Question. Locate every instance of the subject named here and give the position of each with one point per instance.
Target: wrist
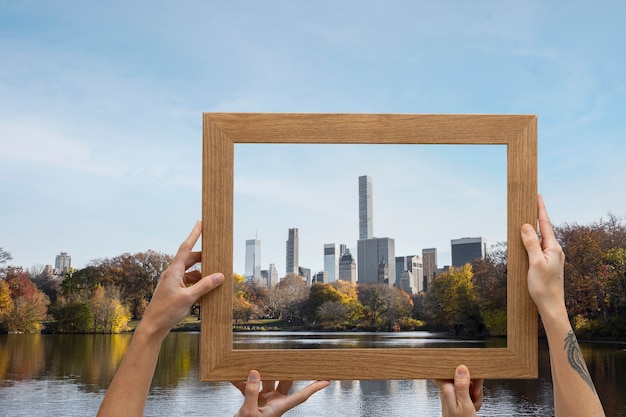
(151, 332)
(556, 315)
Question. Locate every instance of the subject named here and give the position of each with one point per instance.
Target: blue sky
(101, 103)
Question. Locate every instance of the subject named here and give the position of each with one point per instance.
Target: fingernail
(218, 279)
(461, 371)
(527, 229)
(253, 376)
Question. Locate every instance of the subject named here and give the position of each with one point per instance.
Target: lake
(67, 375)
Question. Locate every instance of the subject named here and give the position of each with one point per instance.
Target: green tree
(74, 317)
(451, 301)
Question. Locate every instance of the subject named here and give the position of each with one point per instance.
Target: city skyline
(479, 197)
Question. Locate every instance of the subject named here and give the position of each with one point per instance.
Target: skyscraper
(429, 257)
(376, 259)
(62, 262)
(410, 274)
(331, 261)
(292, 252)
(272, 276)
(253, 259)
(366, 226)
(347, 267)
(467, 249)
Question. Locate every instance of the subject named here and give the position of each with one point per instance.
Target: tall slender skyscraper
(292, 252)
(253, 259)
(429, 255)
(331, 261)
(366, 227)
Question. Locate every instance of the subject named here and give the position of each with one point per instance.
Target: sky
(101, 118)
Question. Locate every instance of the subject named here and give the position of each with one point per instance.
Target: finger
(476, 393)
(251, 394)
(532, 244)
(284, 387)
(268, 386)
(192, 259)
(192, 277)
(545, 226)
(304, 394)
(462, 385)
(447, 396)
(184, 250)
(205, 285)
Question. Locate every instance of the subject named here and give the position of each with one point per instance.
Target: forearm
(128, 391)
(574, 392)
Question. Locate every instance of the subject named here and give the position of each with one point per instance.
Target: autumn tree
(286, 298)
(6, 305)
(451, 302)
(30, 306)
(490, 284)
(109, 315)
(384, 306)
(594, 276)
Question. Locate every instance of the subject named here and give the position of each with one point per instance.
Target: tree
(30, 306)
(109, 315)
(490, 284)
(74, 317)
(4, 258)
(452, 304)
(594, 278)
(374, 300)
(286, 298)
(6, 305)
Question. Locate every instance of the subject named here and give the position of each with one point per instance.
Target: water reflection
(43, 375)
(346, 340)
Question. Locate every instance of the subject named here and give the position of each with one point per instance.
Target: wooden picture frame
(221, 131)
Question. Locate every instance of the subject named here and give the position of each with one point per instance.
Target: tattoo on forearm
(575, 358)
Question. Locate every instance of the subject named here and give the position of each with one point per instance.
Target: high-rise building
(253, 259)
(429, 258)
(376, 260)
(319, 278)
(272, 276)
(410, 274)
(305, 273)
(347, 267)
(62, 263)
(366, 219)
(292, 252)
(331, 261)
(467, 249)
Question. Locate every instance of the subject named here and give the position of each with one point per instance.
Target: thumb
(531, 242)
(206, 284)
(462, 383)
(251, 401)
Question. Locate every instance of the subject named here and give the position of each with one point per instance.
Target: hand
(173, 297)
(461, 397)
(272, 400)
(546, 260)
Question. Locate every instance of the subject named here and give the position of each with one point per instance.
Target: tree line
(470, 300)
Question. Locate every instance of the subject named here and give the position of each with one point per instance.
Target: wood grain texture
(219, 362)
